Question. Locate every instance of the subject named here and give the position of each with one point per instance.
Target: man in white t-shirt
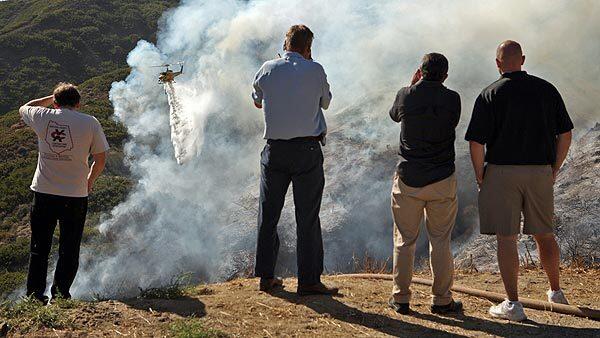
(61, 184)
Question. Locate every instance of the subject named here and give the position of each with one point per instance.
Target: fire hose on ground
(573, 310)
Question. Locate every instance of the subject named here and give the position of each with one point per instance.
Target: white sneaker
(557, 297)
(508, 310)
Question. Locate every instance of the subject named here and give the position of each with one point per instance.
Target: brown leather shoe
(268, 284)
(455, 306)
(316, 289)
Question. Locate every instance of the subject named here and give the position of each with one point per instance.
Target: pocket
(39, 204)
(319, 151)
(264, 155)
(77, 207)
(488, 173)
(453, 185)
(447, 187)
(313, 152)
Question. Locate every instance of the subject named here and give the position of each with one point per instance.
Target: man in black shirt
(521, 128)
(428, 114)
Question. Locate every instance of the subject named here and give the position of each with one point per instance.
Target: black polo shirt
(518, 118)
(428, 114)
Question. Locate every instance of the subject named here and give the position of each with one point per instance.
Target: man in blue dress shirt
(292, 90)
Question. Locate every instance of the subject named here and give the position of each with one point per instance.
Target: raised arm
(397, 107)
(41, 102)
(28, 115)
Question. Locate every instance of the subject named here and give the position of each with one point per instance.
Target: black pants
(301, 163)
(46, 210)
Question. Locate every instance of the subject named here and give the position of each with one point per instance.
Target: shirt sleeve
(99, 142)
(325, 91)
(257, 94)
(398, 106)
(563, 120)
(458, 108)
(30, 115)
(33, 116)
(481, 125)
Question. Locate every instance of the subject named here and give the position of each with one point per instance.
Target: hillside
(43, 42)
(237, 309)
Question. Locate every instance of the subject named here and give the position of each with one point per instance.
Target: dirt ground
(238, 309)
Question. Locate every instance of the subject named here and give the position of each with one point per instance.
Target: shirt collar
(428, 83)
(515, 75)
(288, 55)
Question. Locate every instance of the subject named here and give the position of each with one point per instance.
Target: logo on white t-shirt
(58, 137)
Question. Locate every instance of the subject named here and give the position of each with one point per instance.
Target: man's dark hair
(434, 67)
(298, 38)
(66, 95)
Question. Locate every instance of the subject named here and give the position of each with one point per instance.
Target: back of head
(298, 39)
(434, 67)
(509, 56)
(66, 95)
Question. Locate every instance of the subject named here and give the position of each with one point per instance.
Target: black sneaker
(4, 328)
(454, 306)
(401, 308)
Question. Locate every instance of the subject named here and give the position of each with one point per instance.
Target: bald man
(521, 129)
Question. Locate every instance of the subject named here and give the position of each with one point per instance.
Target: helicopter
(168, 75)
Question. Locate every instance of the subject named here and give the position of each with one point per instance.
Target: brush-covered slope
(43, 42)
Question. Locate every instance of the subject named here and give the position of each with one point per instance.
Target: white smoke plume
(201, 216)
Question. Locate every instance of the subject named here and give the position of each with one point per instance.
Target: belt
(300, 139)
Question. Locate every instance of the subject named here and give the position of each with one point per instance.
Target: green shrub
(52, 41)
(193, 328)
(13, 256)
(29, 314)
(9, 281)
(108, 192)
(89, 233)
(176, 288)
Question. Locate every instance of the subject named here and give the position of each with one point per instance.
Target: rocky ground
(237, 309)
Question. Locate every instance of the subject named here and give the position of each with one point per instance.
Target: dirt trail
(239, 310)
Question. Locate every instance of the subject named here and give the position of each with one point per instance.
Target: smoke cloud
(201, 216)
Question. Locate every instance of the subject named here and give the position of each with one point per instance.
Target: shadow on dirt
(184, 306)
(340, 311)
(495, 328)
(396, 327)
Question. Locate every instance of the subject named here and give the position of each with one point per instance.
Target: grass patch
(193, 328)
(15, 255)
(178, 287)
(9, 281)
(30, 315)
(89, 234)
(203, 291)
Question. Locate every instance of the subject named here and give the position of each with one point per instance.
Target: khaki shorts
(509, 190)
